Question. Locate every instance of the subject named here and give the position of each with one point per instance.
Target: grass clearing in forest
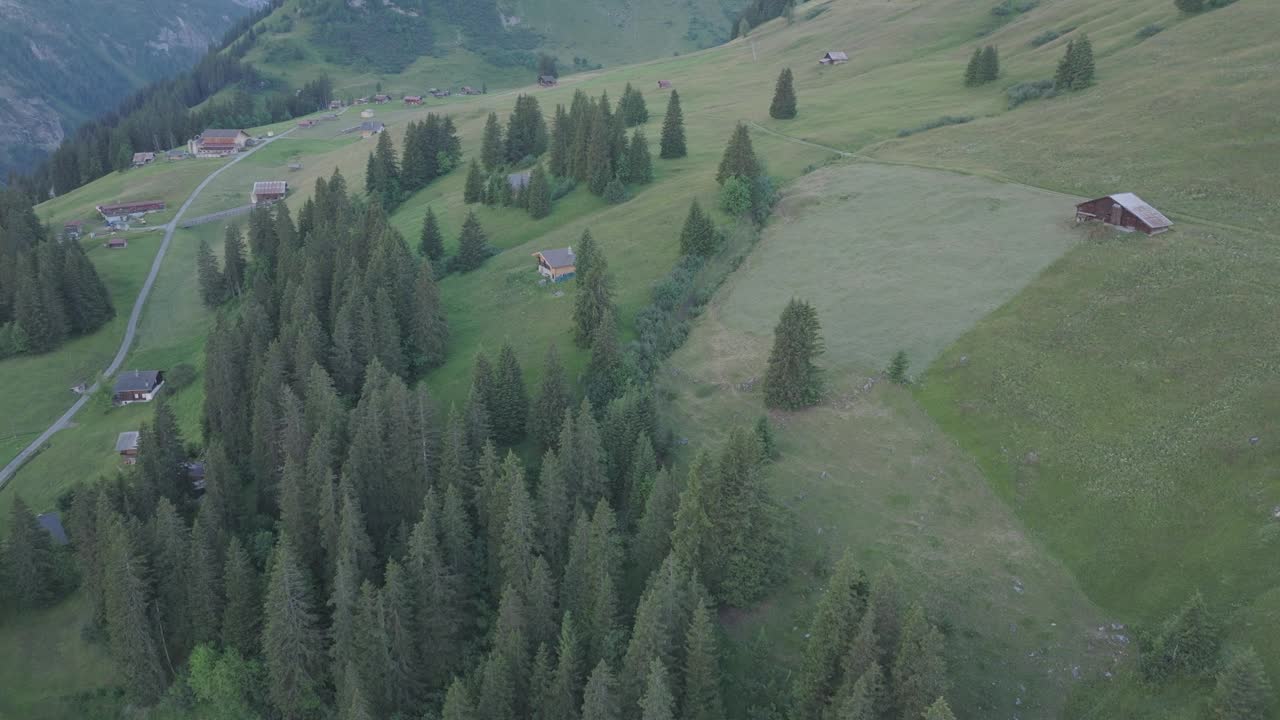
(896, 257)
(48, 670)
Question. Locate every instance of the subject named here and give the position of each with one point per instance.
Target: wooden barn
(547, 80)
(369, 128)
(664, 84)
(1124, 211)
(218, 143)
(306, 123)
(412, 99)
(335, 104)
(117, 212)
(116, 243)
(268, 191)
(127, 447)
(133, 386)
(557, 264)
(380, 98)
(468, 90)
(835, 57)
(143, 158)
(73, 230)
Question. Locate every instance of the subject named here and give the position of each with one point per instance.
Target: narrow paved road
(132, 328)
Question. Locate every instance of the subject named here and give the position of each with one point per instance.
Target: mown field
(1078, 452)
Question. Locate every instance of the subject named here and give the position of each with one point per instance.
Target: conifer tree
(783, 106)
(989, 67)
(660, 628)
(428, 327)
(29, 568)
(939, 710)
(402, 674)
(919, 671)
(233, 261)
(519, 533)
(1187, 643)
(473, 246)
(657, 702)
(1082, 67)
(473, 190)
(526, 130)
(566, 684)
(841, 605)
(540, 602)
(866, 699)
(204, 595)
(692, 537)
(606, 372)
(702, 696)
(547, 414)
(656, 523)
(431, 244)
(886, 605)
(599, 699)
(537, 195)
(292, 642)
(242, 616)
(673, 141)
(739, 158)
(169, 541)
(382, 179)
(973, 71)
(554, 510)
(1189, 6)
(583, 457)
(1066, 73)
(492, 151)
(457, 703)
(615, 192)
(599, 153)
(1242, 691)
(639, 164)
(509, 402)
(698, 237)
(594, 298)
(632, 108)
(212, 287)
(138, 653)
(897, 371)
(792, 381)
(561, 159)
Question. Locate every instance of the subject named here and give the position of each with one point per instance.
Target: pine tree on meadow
(474, 190)
(431, 243)
(973, 71)
(561, 143)
(233, 262)
(594, 296)
(699, 236)
(632, 107)
(212, 286)
(919, 670)
(639, 165)
(473, 246)
(792, 381)
(138, 653)
(783, 106)
(547, 413)
(492, 151)
(509, 408)
(29, 568)
(673, 140)
(599, 154)
(1064, 74)
(1242, 691)
(739, 158)
(841, 604)
(989, 67)
(537, 194)
(1082, 66)
(615, 192)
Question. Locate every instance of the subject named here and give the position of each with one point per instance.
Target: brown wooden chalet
(335, 104)
(114, 212)
(73, 229)
(268, 191)
(218, 143)
(116, 243)
(412, 99)
(835, 57)
(127, 447)
(547, 80)
(557, 264)
(380, 98)
(468, 90)
(143, 158)
(1124, 211)
(133, 386)
(306, 123)
(664, 84)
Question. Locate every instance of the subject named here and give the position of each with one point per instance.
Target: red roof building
(412, 99)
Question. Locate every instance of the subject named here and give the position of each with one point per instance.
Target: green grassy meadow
(48, 670)
(1079, 448)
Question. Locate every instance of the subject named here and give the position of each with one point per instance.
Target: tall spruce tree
(561, 143)
(1242, 691)
(547, 414)
(739, 158)
(989, 67)
(657, 702)
(29, 567)
(526, 130)
(473, 189)
(702, 695)
(537, 194)
(632, 108)
(599, 153)
(973, 71)
(639, 165)
(492, 152)
(473, 246)
(673, 140)
(606, 374)
(242, 616)
(698, 237)
(599, 698)
(428, 334)
(792, 381)
(212, 286)
(233, 261)
(292, 642)
(594, 297)
(939, 710)
(1082, 67)
(1066, 72)
(783, 106)
(431, 244)
(919, 671)
(838, 611)
(509, 407)
(138, 653)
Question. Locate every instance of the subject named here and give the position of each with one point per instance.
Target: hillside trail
(132, 328)
(862, 156)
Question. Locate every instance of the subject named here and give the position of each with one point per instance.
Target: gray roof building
(137, 381)
(520, 180)
(53, 525)
(127, 441)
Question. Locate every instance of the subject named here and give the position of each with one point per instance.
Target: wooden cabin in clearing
(268, 191)
(143, 158)
(335, 104)
(116, 243)
(127, 447)
(369, 128)
(133, 386)
(73, 230)
(547, 80)
(835, 57)
(381, 98)
(557, 264)
(664, 84)
(412, 99)
(468, 90)
(1124, 211)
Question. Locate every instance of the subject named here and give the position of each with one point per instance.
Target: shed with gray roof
(1124, 211)
(557, 264)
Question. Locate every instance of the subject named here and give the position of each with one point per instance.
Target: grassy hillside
(1108, 402)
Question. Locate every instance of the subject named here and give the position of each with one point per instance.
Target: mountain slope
(65, 61)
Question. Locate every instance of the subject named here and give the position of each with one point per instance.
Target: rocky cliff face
(64, 61)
